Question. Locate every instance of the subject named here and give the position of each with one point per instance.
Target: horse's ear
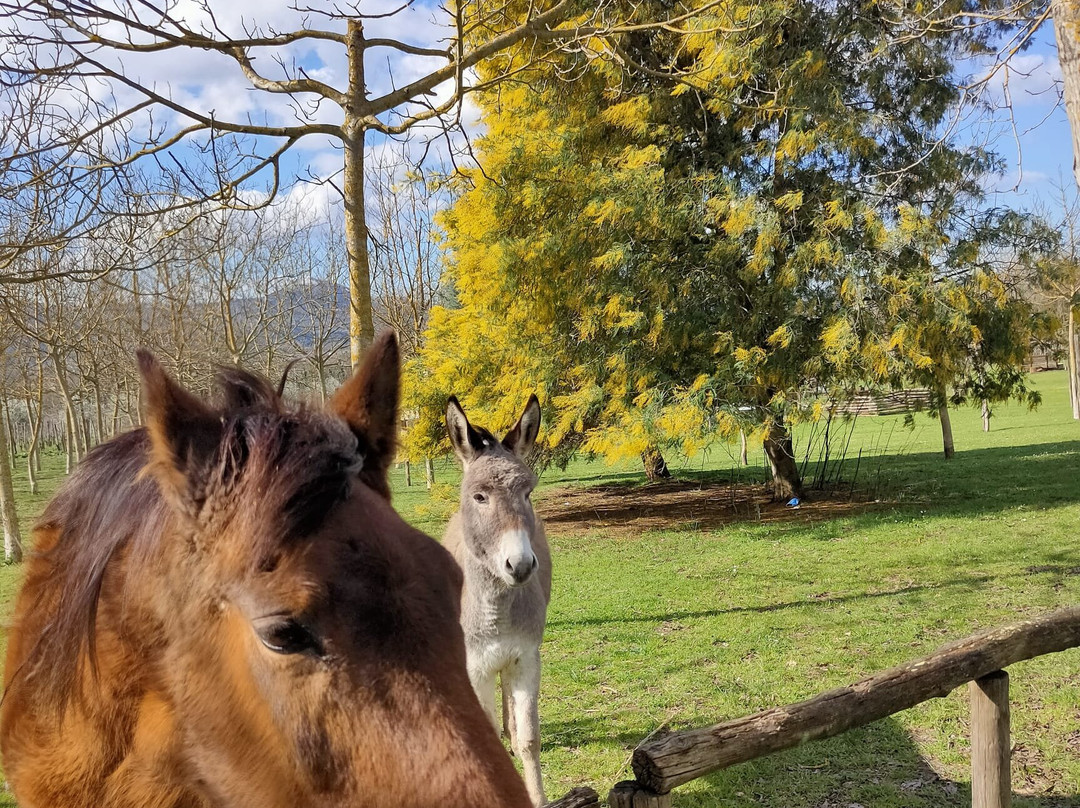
(521, 439)
(467, 442)
(368, 403)
(184, 435)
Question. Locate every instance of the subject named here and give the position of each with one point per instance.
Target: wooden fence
(663, 763)
(897, 402)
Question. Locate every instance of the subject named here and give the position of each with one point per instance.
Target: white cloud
(1025, 80)
(210, 83)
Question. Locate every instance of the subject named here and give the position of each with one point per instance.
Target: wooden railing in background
(666, 762)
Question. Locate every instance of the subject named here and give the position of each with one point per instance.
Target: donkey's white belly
(493, 642)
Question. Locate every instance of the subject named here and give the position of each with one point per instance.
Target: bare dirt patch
(683, 504)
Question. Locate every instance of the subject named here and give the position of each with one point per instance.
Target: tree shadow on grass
(975, 482)
(966, 582)
(1067, 567)
(877, 766)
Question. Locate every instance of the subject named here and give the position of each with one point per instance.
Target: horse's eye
(481, 498)
(286, 636)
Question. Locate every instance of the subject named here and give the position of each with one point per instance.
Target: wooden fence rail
(662, 763)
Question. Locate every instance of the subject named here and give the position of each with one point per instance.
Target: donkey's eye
(287, 636)
(481, 498)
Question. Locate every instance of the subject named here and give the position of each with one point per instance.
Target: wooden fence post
(991, 785)
(630, 794)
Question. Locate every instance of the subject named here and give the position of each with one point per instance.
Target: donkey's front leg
(508, 711)
(524, 689)
(483, 683)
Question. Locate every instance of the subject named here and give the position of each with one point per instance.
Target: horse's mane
(110, 507)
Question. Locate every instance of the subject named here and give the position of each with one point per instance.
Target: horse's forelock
(289, 468)
(299, 465)
(244, 390)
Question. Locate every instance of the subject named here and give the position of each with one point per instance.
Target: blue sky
(1039, 152)
(213, 82)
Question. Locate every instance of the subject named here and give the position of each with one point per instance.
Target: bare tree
(317, 320)
(93, 44)
(406, 261)
(13, 550)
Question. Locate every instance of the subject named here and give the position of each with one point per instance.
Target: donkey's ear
(467, 442)
(521, 439)
(184, 435)
(368, 403)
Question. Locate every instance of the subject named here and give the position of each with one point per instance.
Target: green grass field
(689, 625)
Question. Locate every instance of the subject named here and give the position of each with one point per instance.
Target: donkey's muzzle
(521, 569)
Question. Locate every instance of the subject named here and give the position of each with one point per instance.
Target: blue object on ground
(793, 502)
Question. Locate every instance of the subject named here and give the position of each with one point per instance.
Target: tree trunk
(408, 473)
(1073, 369)
(655, 467)
(743, 459)
(986, 415)
(84, 429)
(99, 413)
(114, 416)
(429, 472)
(35, 436)
(69, 407)
(69, 446)
(321, 368)
(1067, 32)
(946, 431)
(361, 325)
(134, 411)
(13, 551)
(13, 443)
(785, 471)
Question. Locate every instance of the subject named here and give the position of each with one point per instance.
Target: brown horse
(224, 610)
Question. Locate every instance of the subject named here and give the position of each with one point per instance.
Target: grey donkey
(500, 544)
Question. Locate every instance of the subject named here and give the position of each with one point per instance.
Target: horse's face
(496, 513)
(312, 653)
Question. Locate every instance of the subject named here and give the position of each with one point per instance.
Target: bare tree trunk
(986, 415)
(99, 413)
(13, 550)
(1073, 368)
(134, 411)
(429, 472)
(114, 416)
(361, 324)
(69, 405)
(946, 430)
(787, 482)
(69, 446)
(84, 429)
(13, 443)
(408, 473)
(743, 459)
(35, 435)
(320, 368)
(1067, 32)
(655, 466)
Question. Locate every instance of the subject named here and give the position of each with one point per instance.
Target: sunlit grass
(684, 626)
